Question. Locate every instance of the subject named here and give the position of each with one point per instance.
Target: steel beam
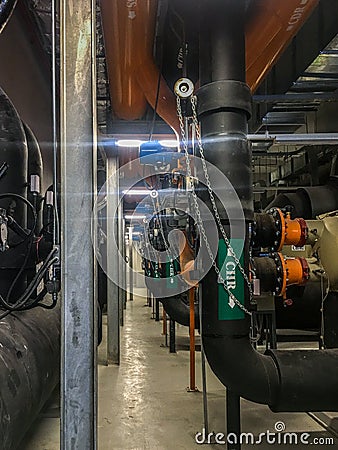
(124, 268)
(296, 97)
(296, 139)
(78, 167)
(131, 263)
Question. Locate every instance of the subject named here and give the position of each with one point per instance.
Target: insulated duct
(311, 201)
(286, 381)
(133, 76)
(29, 369)
(13, 153)
(29, 340)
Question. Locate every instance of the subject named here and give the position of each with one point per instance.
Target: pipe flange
(306, 269)
(279, 220)
(281, 274)
(222, 95)
(184, 88)
(304, 232)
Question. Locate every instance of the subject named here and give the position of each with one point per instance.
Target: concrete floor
(144, 404)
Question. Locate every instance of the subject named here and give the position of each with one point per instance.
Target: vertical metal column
(120, 247)
(78, 166)
(113, 309)
(192, 387)
(172, 336)
(233, 417)
(124, 268)
(157, 310)
(131, 275)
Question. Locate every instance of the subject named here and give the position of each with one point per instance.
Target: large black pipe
(311, 201)
(266, 270)
(178, 309)
(224, 107)
(304, 313)
(35, 167)
(330, 317)
(13, 152)
(223, 112)
(6, 10)
(29, 369)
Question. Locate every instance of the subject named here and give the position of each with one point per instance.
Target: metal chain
(198, 213)
(212, 198)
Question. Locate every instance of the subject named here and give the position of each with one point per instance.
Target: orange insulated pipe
(123, 25)
(269, 31)
(128, 27)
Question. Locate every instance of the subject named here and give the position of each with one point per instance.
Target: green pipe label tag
(171, 269)
(227, 308)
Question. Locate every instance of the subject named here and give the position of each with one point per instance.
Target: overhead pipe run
(269, 31)
(286, 381)
(134, 79)
(295, 139)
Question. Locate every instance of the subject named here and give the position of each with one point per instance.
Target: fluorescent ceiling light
(137, 192)
(129, 143)
(134, 216)
(172, 143)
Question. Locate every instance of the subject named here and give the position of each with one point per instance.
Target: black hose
(31, 207)
(32, 286)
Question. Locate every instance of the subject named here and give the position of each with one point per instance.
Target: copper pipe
(164, 325)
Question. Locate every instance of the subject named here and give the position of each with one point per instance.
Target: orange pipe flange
(296, 232)
(293, 231)
(295, 272)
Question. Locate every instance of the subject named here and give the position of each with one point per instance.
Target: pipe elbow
(179, 310)
(233, 359)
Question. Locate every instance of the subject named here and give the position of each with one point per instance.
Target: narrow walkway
(143, 404)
